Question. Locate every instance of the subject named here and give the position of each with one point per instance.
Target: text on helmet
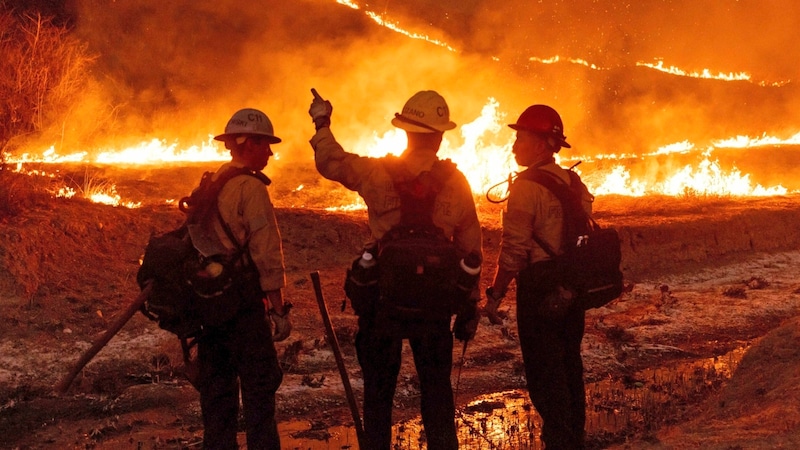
(254, 117)
(441, 111)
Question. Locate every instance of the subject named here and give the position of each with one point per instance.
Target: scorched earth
(701, 351)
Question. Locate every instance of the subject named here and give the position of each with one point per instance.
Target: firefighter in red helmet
(550, 334)
(545, 122)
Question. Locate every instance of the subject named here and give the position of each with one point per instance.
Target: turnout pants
(380, 358)
(239, 356)
(551, 351)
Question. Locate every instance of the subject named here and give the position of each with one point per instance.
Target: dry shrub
(19, 192)
(42, 73)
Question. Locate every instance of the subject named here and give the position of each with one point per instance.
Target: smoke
(723, 36)
(179, 69)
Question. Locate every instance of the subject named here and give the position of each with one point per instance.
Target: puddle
(302, 435)
(508, 420)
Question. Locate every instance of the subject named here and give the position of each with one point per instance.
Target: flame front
(481, 147)
(482, 153)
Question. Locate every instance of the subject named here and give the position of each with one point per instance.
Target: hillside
(708, 277)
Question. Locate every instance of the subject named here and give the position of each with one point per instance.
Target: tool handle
(101, 342)
(337, 353)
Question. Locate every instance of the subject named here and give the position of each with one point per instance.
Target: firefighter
(550, 344)
(425, 117)
(240, 355)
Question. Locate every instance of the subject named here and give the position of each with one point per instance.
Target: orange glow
(705, 73)
(555, 59)
(154, 151)
(347, 3)
(482, 151)
(394, 26)
(746, 141)
(106, 195)
(705, 179)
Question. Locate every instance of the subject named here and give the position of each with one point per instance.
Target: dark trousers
(239, 355)
(380, 358)
(551, 351)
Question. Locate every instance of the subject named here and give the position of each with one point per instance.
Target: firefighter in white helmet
(451, 209)
(550, 338)
(240, 356)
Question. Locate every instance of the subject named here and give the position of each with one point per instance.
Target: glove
(466, 323)
(493, 300)
(283, 325)
(320, 112)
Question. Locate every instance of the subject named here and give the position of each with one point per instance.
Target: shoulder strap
(568, 195)
(224, 177)
(418, 193)
(214, 187)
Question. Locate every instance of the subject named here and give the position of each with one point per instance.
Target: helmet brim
(227, 136)
(428, 128)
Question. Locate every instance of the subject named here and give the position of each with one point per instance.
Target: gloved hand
(283, 325)
(466, 323)
(493, 300)
(320, 112)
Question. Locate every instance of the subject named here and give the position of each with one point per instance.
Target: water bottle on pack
(367, 271)
(361, 284)
(367, 259)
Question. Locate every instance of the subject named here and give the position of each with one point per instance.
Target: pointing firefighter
(239, 355)
(550, 335)
(415, 191)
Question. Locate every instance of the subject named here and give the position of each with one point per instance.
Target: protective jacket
(454, 211)
(246, 207)
(533, 208)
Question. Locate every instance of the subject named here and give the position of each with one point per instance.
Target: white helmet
(249, 121)
(424, 112)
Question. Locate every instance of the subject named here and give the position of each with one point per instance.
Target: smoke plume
(179, 69)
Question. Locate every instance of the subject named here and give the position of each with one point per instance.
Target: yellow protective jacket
(454, 211)
(532, 207)
(245, 206)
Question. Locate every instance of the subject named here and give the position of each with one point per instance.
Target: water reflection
(507, 420)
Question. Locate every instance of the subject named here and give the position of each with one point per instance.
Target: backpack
(193, 289)
(589, 263)
(417, 264)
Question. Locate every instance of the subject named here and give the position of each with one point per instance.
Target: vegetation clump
(43, 72)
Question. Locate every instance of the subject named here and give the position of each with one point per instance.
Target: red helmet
(543, 120)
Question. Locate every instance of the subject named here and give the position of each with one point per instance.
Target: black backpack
(589, 262)
(416, 261)
(190, 290)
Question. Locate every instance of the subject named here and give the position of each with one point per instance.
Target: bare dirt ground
(706, 277)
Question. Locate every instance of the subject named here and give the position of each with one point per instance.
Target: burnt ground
(706, 276)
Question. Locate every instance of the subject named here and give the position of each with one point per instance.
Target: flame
(147, 152)
(395, 26)
(157, 150)
(747, 142)
(97, 192)
(481, 150)
(660, 66)
(707, 179)
(557, 58)
(705, 73)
